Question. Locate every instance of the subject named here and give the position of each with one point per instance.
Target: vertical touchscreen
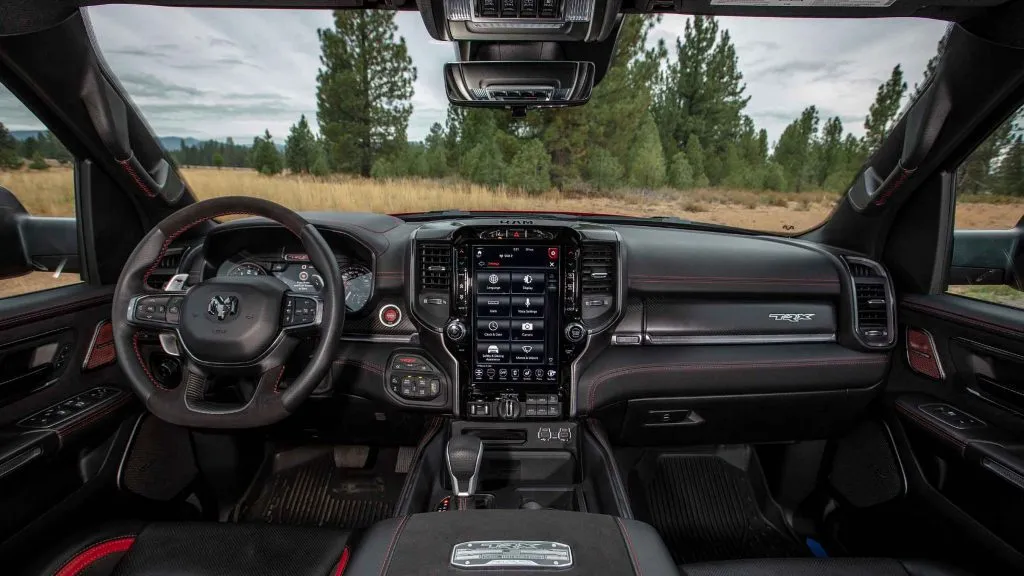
(516, 313)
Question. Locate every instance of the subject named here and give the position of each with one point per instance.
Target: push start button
(390, 315)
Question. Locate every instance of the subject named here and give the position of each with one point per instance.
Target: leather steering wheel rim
(268, 403)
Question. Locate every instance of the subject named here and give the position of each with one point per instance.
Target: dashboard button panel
(413, 377)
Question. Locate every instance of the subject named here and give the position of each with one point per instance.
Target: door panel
(960, 422)
(62, 402)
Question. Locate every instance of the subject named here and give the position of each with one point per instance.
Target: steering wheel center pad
(231, 320)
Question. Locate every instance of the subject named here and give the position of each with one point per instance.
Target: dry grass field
(50, 193)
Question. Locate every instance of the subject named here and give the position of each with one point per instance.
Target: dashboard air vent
(598, 267)
(435, 267)
(171, 260)
(874, 323)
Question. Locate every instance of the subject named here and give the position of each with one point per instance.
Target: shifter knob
(463, 454)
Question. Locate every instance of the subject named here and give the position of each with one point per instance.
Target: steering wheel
(242, 328)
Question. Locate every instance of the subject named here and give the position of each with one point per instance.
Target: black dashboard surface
(668, 277)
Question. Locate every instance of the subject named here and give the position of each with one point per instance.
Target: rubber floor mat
(706, 509)
(318, 493)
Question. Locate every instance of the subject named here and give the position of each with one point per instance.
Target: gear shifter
(463, 454)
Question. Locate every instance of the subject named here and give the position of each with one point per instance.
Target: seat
(820, 567)
(200, 549)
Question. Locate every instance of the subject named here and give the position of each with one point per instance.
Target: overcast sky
(213, 73)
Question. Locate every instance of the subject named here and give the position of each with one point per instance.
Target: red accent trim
(400, 214)
(145, 368)
(277, 382)
(342, 563)
(127, 165)
(85, 558)
(894, 187)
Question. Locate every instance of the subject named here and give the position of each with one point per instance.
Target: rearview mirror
(519, 84)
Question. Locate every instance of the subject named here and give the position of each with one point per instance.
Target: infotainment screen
(516, 313)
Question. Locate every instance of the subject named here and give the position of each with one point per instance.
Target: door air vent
(874, 323)
(435, 267)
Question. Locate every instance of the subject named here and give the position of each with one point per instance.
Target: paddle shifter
(463, 454)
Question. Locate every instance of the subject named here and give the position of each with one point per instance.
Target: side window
(988, 240)
(38, 231)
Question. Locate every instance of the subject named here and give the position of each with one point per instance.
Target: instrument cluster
(295, 270)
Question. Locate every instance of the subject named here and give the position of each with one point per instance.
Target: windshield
(755, 123)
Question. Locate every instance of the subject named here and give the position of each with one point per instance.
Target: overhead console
(529, 20)
(517, 305)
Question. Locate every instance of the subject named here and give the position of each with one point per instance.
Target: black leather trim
(820, 567)
(685, 261)
(37, 306)
(623, 373)
(594, 433)
(974, 314)
(650, 556)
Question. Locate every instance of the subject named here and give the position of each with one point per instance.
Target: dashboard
(658, 330)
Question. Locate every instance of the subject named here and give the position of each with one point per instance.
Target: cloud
(213, 73)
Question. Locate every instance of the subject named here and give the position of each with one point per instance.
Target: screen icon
(492, 326)
(527, 349)
(527, 326)
(553, 253)
(492, 349)
(493, 279)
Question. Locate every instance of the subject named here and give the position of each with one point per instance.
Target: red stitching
(138, 356)
(387, 553)
(369, 366)
(79, 562)
(894, 187)
(733, 279)
(919, 307)
(277, 383)
(342, 563)
(76, 425)
(943, 434)
(705, 366)
(127, 165)
(174, 236)
(629, 544)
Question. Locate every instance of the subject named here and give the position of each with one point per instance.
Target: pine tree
(681, 172)
(883, 111)
(1009, 177)
(647, 165)
(702, 95)
(530, 169)
(300, 148)
(9, 159)
(794, 151)
(37, 162)
(218, 160)
(604, 171)
(977, 173)
(830, 150)
(363, 88)
(437, 152)
(265, 158)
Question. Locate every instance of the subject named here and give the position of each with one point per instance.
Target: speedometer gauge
(358, 286)
(247, 269)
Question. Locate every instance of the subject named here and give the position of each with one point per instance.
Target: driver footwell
(343, 487)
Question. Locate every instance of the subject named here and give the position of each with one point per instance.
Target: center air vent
(435, 267)
(598, 267)
(874, 323)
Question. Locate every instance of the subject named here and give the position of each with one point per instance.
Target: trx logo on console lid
(791, 317)
(531, 553)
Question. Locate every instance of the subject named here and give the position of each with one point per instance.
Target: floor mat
(706, 509)
(319, 493)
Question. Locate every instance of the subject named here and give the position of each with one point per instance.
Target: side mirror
(35, 243)
(519, 85)
(988, 257)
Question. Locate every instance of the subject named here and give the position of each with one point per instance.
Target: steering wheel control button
(390, 315)
(455, 330)
(299, 311)
(156, 309)
(575, 332)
